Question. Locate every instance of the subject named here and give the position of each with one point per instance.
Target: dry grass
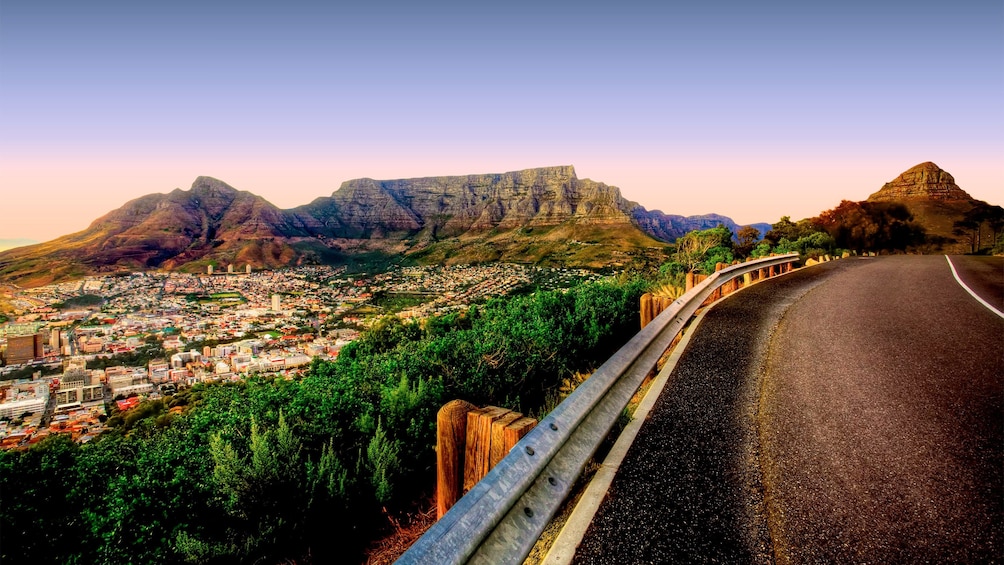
(406, 530)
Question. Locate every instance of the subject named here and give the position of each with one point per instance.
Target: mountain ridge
(499, 215)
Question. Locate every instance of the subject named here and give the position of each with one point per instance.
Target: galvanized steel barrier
(500, 519)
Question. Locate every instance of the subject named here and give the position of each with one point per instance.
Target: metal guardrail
(500, 519)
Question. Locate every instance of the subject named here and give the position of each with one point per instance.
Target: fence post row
(500, 519)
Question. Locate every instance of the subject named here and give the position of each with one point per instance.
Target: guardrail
(500, 519)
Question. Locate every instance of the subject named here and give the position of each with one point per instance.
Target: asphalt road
(846, 413)
(882, 417)
(984, 275)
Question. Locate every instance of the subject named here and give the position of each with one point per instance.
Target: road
(881, 418)
(848, 412)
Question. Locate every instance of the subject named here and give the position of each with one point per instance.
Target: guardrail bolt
(529, 450)
(554, 426)
(528, 512)
(553, 482)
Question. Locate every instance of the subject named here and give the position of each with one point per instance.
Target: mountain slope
(212, 220)
(541, 216)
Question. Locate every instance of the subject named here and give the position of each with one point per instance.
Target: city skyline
(753, 112)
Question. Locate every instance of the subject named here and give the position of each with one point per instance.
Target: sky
(754, 110)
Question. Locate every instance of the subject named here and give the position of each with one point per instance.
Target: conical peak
(926, 181)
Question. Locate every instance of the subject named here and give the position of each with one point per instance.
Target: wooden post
(690, 281)
(718, 291)
(646, 309)
(515, 432)
(469, 442)
(477, 455)
(451, 433)
(664, 303)
(498, 450)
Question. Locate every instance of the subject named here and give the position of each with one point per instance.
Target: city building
(123, 381)
(77, 386)
(159, 369)
(276, 303)
(209, 270)
(24, 348)
(23, 398)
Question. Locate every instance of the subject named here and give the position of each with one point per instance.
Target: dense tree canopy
(872, 226)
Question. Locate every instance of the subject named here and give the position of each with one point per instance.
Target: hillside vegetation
(271, 470)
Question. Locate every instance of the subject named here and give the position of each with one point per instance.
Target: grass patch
(396, 301)
(82, 301)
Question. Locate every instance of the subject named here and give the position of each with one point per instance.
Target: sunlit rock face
(925, 181)
(453, 205)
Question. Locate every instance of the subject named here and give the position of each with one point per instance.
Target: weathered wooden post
(451, 433)
(497, 448)
(718, 291)
(477, 455)
(734, 283)
(690, 281)
(515, 432)
(646, 309)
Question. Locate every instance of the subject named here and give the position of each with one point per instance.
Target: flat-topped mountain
(451, 206)
(541, 216)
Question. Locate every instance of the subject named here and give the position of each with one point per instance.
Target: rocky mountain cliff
(546, 215)
(450, 206)
(925, 181)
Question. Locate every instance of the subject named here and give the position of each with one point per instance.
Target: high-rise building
(276, 302)
(247, 269)
(54, 340)
(24, 348)
(209, 270)
(230, 268)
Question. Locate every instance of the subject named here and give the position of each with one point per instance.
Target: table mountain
(543, 216)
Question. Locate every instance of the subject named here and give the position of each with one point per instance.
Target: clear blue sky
(753, 110)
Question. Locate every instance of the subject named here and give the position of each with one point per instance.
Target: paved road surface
(850, 412)
(881, 418)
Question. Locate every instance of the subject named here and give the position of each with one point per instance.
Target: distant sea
(6, 244)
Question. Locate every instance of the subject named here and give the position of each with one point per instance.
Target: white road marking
(970, 291)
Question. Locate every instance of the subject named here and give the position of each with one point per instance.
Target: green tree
(698, 250)
(872, 226)
(40, 507)
(746, 240)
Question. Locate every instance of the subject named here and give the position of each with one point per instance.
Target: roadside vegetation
(975, 223)
(310, 470)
